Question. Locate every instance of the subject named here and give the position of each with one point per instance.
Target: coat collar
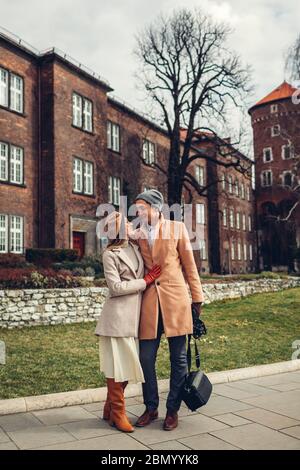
(158, 235)
(126, 259)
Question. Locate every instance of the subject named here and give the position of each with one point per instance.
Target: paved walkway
(262, 413)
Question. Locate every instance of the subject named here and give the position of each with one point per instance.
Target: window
(16, 93)
(223, 182)
(200, 213)
(148, 152)
(3, 161)
(4, 87)
(230, 184)
(16, 234)
(11, 91)
(83, 176)
(267, 154)
(16, 164)
(242, 191)
(11, 163)
(245, 252)
(239, 251)
(202, 248)
(236, 187)
(231, 218)
(249, 223)
(248, 193)
(11, 234)
(250, 252)
(274, 108)
(238, 220)
(275, 130)
(287, 152)
(225, 217)
(244, 222)
(266, 178)
(114, 189)
(199, 171)
(82, 113)
(232, 250)
(287, 178)
(113, 136)
(3, 233)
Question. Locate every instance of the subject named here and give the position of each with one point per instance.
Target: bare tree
(191, 76)
(292, 63)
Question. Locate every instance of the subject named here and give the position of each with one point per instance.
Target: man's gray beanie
(152, 197)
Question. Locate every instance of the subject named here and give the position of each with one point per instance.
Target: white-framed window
(3, 161)
(113, 136)
(114, 190)
(11, 91)
(16, 164)
(232, 249)
(3, 87)
(239, 251)
(149, 151)
(200, 213)
(245, 251)
(250, 252)
(202, 248)
(224, 182)
(242, 191)
(225, 217)
(248, 193)
(87, 115)
(238, 225)
(287, 152)
(274, 108)
(230, 184)
(16, 93)
(199, 173)
(231, 218)
(77, 175)
(82, 112)
(83, 176)
(244, 221)
(266, 178)
(275, 130)
(88, 178)
(3, 233)
(249, 223)
(16, 234)
(267, 154)
(236, 188)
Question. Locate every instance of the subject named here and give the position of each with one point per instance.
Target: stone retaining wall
(31, 307)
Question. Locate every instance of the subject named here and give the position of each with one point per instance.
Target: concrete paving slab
(207, 442)
(18, 421)
(67, 414)
(285, 403)
(267, 418)
(30, 438)
(120, 442)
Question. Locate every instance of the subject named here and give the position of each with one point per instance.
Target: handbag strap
(189, 354)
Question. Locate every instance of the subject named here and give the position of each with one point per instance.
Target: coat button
(157, 283)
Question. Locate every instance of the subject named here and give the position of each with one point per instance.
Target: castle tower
(276, 137)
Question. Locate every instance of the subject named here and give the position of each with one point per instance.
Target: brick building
(276, 137)
(67, 145)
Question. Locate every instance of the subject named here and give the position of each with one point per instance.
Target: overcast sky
(101, 33)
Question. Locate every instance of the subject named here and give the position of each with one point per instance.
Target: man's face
(145, 211)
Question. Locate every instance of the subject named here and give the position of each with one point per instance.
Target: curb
(92, 395)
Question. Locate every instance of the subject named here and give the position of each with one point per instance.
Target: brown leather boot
(171, 421)
(147, 417)
(106, 409)
(118, 414)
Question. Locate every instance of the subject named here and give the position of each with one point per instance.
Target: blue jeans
(179, 368)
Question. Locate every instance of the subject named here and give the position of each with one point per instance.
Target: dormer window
(274, 108)
(275, 130)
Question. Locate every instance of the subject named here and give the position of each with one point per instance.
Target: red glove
(153, 274)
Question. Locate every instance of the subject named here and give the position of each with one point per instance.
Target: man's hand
(197, 307)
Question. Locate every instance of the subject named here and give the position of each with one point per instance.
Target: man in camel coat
(166, 304)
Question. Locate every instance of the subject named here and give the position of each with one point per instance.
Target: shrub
(78, 272)
(47, 256)
(13, 260)
(20, 278)
(89, 271)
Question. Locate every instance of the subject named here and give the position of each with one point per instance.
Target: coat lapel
(128, 261)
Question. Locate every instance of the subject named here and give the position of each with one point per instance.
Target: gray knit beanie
(152, 197)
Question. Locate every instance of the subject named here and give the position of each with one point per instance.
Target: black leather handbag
(197, 388)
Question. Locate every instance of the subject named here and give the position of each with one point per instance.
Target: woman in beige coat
(119, 320)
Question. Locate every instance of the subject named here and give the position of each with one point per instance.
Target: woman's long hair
(117, 242)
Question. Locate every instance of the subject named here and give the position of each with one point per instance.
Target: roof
(283, 91)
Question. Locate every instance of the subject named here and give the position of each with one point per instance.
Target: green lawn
(258, 329)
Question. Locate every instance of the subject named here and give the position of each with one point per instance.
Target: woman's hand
(153, 274)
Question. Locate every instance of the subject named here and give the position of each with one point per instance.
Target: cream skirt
(119, 359)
